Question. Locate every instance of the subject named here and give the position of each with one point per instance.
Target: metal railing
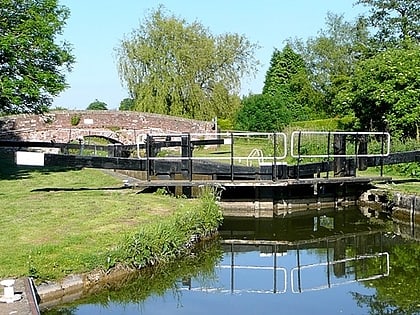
(239, 149)
(295, 273)
(326, 140)
(225, 145)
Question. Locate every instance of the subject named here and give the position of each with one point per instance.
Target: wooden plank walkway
(260, 183)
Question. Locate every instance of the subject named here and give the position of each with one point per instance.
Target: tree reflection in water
(281, 257)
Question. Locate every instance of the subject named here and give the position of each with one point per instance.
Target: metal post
(190, 170)
(232, 177)
(328, 265)
(298, 162)
(232, 269)
(356, 160)
(148, 157)
(274, 168)
(382, 154)
(298, 265)
(328, 153)
(275, 269)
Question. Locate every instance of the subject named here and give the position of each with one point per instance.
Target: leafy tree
(330, 57)
(264, 113)
(97, 105)
(31, 62)
(173, 67)
(127, 104)
(384, 92)
(395, 20)
(287, 74)
(283, 66)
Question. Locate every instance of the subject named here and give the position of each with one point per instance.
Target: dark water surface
(325, 262)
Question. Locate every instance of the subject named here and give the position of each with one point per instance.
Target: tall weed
(172, 236)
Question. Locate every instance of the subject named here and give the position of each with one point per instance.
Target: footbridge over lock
(263, 174)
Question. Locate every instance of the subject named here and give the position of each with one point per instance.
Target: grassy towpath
(54, 222)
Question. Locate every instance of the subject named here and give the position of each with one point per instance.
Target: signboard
(30, 158)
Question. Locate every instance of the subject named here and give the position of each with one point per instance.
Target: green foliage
(330, 124)
(225, 124)
(97, 105)
(75, 120)
(331, 56)
(397, 293)
(127, 104)
(394, 20)
(31, 62)
(91, 228)
(263, 112)
(283, 66)
(181, 69)
(411, 170)
(287, 75)
(136, 287)
(384, 92)
(168, 238)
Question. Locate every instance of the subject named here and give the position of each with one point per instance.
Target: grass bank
(55, 222)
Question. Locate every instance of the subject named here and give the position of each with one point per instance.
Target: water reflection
(328, 263)
(322, 271)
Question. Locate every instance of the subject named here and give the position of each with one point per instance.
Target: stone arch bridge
(116, 126)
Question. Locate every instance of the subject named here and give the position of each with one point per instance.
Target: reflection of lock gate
(350, 275)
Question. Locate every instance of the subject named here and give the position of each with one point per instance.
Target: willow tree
(177, 68)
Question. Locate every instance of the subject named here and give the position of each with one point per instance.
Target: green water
(329, 262)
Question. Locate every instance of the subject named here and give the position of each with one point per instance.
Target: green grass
(399, 183)
(54, 223)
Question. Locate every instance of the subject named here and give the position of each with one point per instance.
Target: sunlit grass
(56, 223)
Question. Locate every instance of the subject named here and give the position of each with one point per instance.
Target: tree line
(367, 69)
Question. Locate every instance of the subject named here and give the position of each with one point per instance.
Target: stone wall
(123, 126)
(404, 209)
(398, 205)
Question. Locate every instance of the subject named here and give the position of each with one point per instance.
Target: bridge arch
(110, 140)
(119, 126)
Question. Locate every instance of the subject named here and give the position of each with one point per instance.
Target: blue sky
(96, 27)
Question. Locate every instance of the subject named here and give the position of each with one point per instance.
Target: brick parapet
(119, 125)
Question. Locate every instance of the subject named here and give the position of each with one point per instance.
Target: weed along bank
(89, 227)
(154, 244)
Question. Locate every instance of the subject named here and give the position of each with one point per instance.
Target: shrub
(75, 120)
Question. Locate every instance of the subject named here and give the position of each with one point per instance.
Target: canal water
(323, 262)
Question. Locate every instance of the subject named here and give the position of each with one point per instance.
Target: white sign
(30, 158)
(88, 121)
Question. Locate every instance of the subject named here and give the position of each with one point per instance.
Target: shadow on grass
(10, 171)
(49, 189)
(405, 181)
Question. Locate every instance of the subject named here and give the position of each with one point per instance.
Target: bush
(75, 120)
(263, 113)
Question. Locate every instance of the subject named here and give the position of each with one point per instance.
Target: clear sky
(96, 27)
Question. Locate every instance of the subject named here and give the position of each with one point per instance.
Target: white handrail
(332, 133)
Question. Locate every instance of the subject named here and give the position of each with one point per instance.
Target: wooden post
(339, 149)
(362, 149)
(186, 163)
